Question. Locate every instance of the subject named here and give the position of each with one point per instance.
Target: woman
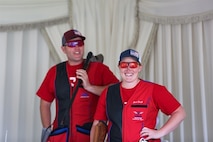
(132, 106)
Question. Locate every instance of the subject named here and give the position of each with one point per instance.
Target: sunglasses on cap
(74, 43)
(128, 64)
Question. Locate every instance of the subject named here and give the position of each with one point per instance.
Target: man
(132, 105)
(60, 83)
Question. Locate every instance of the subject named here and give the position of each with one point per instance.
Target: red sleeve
(165, 101)
(100, 113)
(109, 76)
(100, 74)
(46, 90)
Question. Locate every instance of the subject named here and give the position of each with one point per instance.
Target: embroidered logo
(84, 95)
(137, 116)
(77, 32)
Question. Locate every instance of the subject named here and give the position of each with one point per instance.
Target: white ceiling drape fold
(176, 12)
(19, 12)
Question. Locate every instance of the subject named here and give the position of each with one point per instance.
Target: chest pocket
(139, 111)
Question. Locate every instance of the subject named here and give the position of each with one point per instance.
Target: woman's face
(129, 70)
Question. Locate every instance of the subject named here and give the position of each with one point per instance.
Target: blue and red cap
(130, 53)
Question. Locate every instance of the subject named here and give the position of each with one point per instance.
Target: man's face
(74, 49)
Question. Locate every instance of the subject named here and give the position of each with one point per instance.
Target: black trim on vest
(62, 89)
(114, 112)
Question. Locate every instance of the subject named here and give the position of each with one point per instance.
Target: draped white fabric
(23, 66)
(106, 25)
(173, 37)
(175, 8)
(182, 60)
(22, 11)
(176, 12)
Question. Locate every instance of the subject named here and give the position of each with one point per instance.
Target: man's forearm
(95, 89)
(45, 113)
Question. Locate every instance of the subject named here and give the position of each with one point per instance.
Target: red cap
(70, 35)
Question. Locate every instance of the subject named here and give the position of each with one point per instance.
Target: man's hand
(82, 75)
(45, 134)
